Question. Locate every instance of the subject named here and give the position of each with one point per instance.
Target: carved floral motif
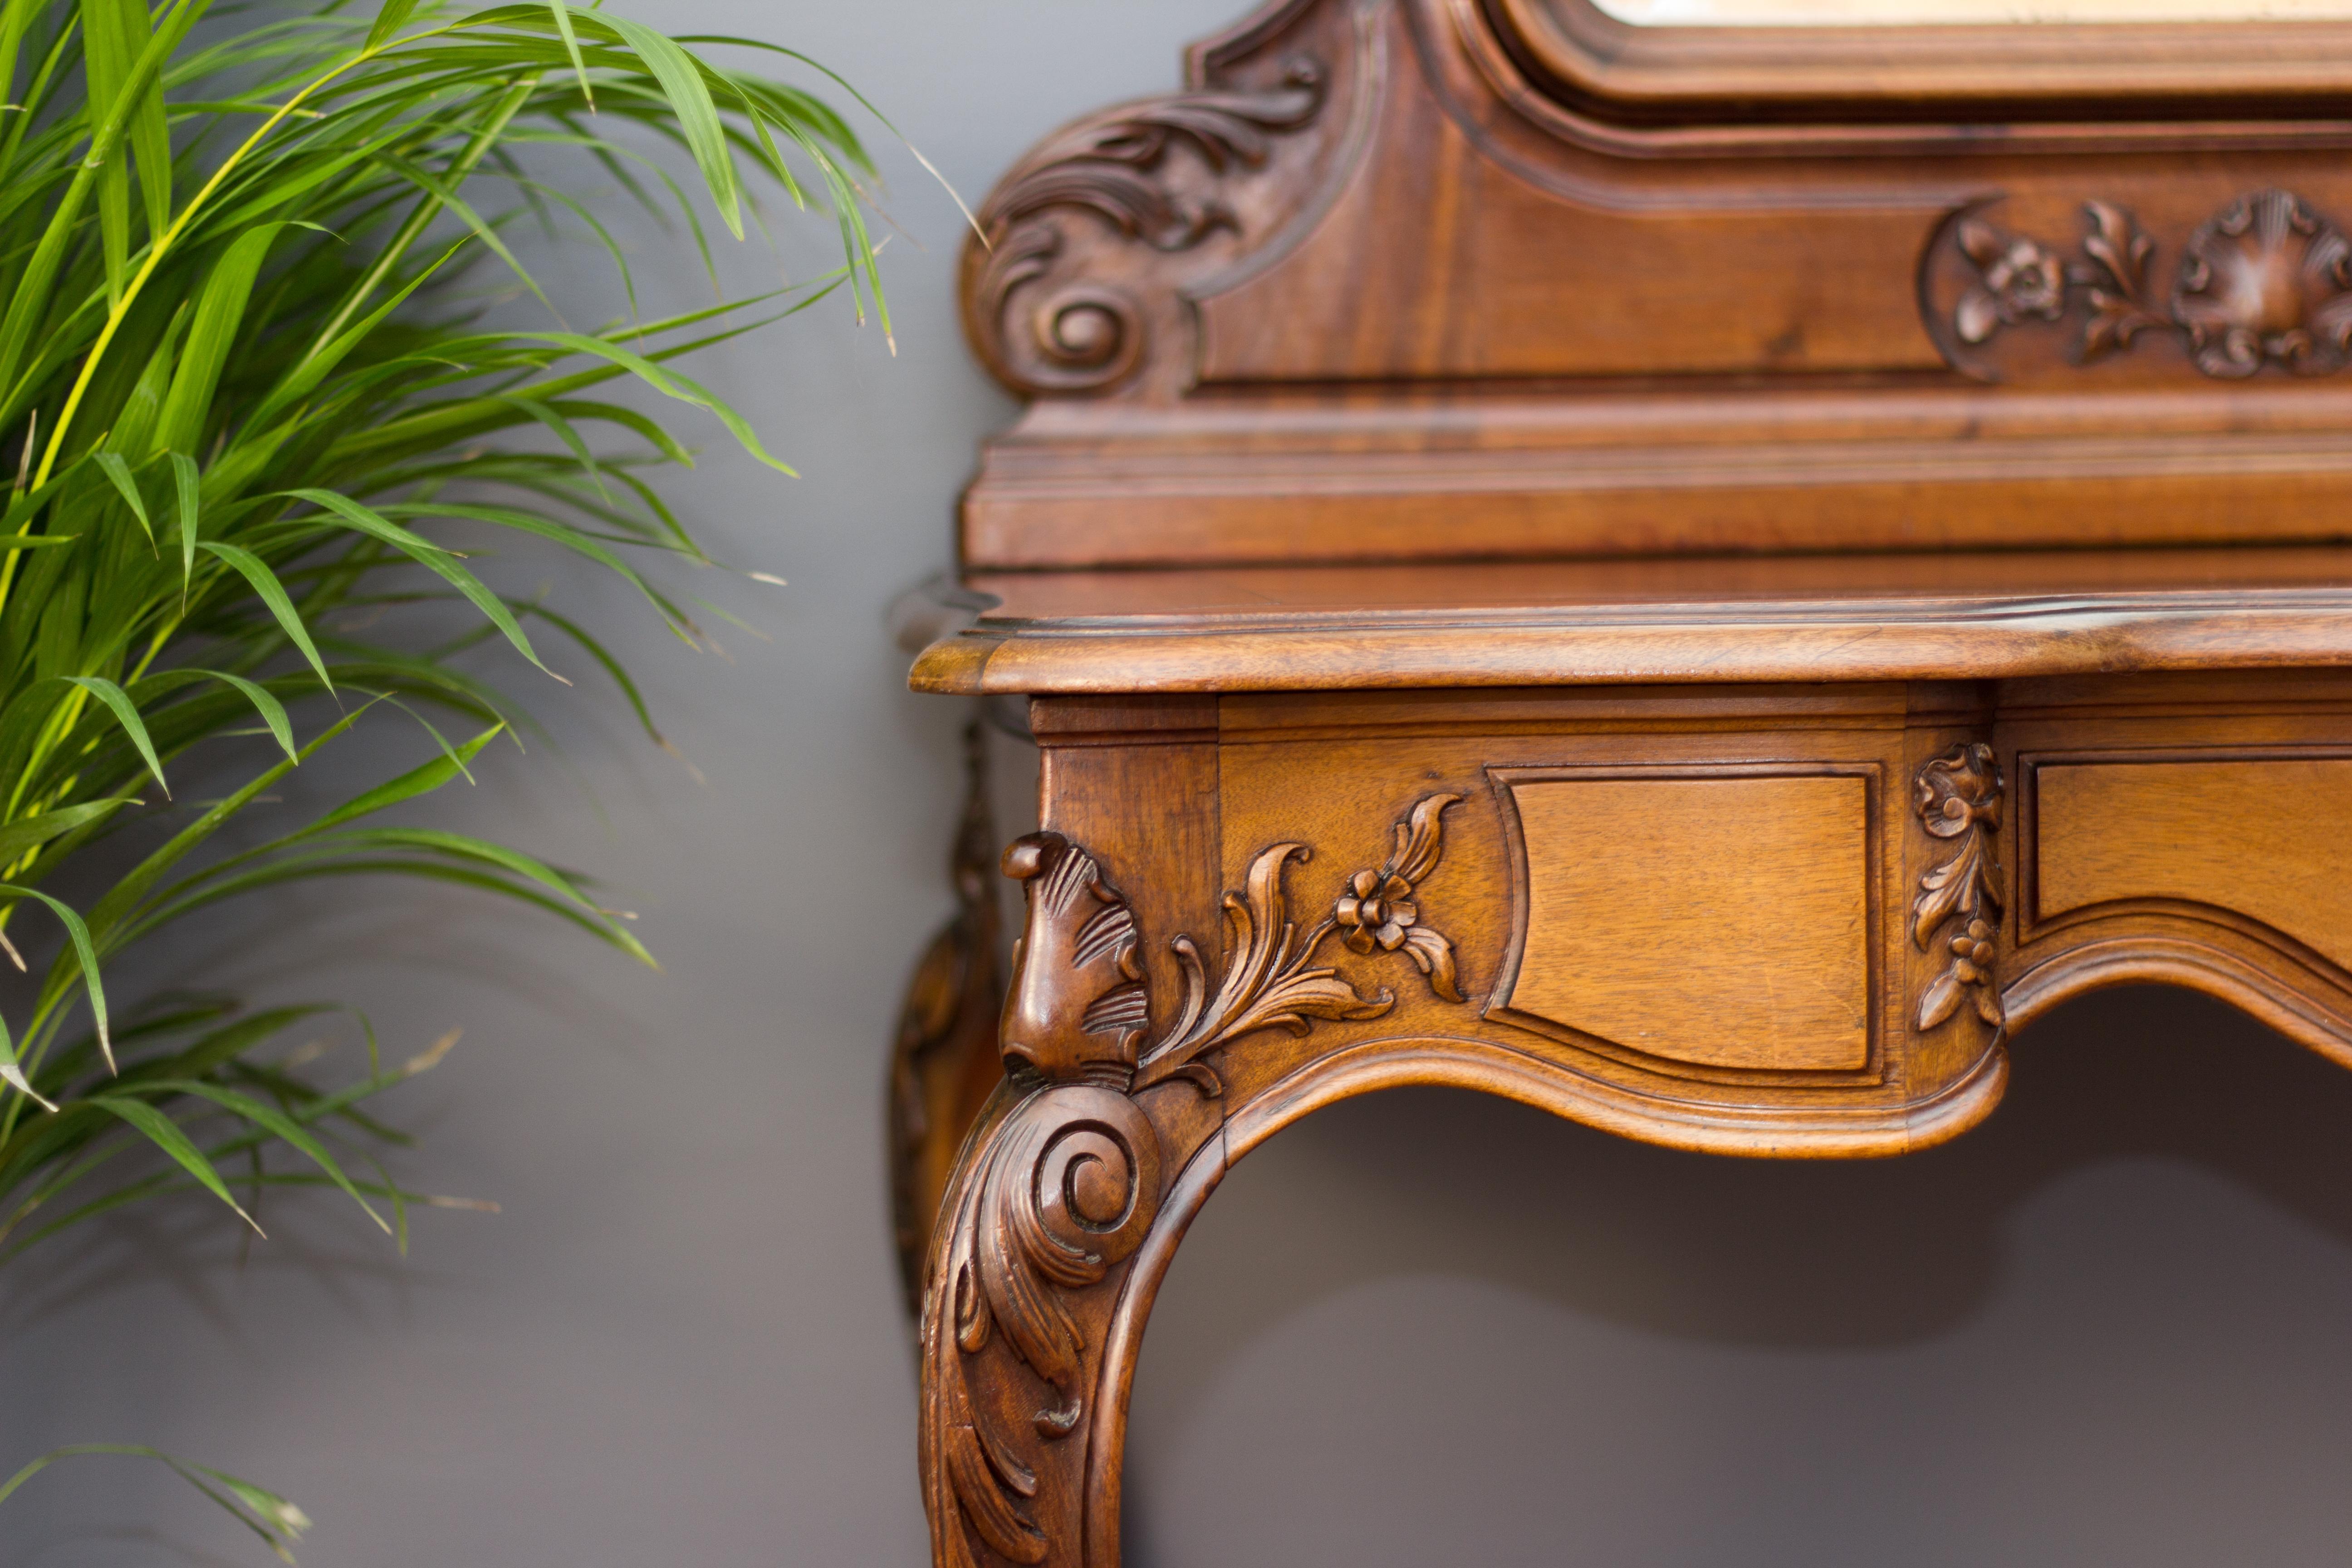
(1378, 911)
(2265, 281)
(1957, 797)
(1046, 324)
(2016, 277)
(1066, 1176)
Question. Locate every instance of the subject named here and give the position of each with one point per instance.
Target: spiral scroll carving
(1064, 1174)
(1068, 1186)
(1052, 307)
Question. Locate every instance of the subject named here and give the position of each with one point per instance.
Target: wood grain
(1728, 939)
(1715, 922)
(1695, 578)
(1436, 278)
(2269, 839)
(1991, 616)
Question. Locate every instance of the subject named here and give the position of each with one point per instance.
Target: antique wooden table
(1651, 580)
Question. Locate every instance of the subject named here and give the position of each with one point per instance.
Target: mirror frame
(1976, 74)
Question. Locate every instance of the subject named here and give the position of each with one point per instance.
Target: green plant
(242, 399)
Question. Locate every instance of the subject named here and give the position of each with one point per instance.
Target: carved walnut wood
(2185, 827)
(1051, 312)
(1403, 280)
(2264, 283)
(1677, 481)
(1957, 798)
(1066, 1176)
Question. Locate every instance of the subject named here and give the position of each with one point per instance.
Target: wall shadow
(1875, 1257)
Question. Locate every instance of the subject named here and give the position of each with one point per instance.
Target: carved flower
(1376, 911)
(1972, 954)
(2016, 277)
(1956, 792)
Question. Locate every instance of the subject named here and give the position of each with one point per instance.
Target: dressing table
(1695, 565)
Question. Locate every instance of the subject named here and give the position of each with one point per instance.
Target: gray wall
(1419, 1329)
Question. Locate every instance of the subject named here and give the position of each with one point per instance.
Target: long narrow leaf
(272, 593)
(433, 557)
(126, 712)
(278, 1124)
(85, 955)
(164, 1134)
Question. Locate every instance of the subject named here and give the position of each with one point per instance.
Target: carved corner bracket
(2265, 281)
(1053, 299)
(1957, 797)
(1066, 1176)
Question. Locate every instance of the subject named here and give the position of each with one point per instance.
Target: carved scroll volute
(1060, 1186)
(1073, 280)
(1064, 1174)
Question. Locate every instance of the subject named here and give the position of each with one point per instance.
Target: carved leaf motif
(2117, 244)
(1941, 1000)
(1958, 795)
(1976, 317)
(1980, 241)
(2118, 299)
(1963, 884)
(1114, 166)
(1419, 840)
(1267, 982)
(1434, 954)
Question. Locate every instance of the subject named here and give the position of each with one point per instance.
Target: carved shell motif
(1068, 1174)
(1077, 1005)
(2265, 281)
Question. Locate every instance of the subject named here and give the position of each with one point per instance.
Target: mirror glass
(1950, 13)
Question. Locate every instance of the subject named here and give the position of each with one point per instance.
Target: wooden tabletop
(1985, 616)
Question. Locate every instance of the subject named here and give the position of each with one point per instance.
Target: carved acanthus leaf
(1066, 1180)
(1067, 1185)
(1114, 164)
(1267, 982)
